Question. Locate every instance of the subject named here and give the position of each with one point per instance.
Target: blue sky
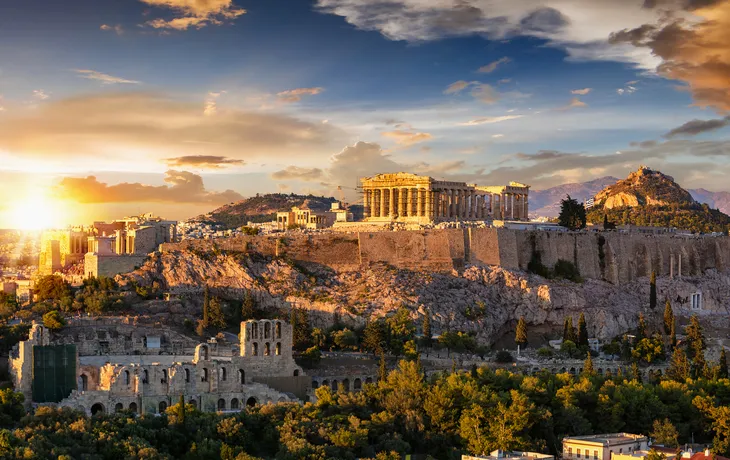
(178, 106)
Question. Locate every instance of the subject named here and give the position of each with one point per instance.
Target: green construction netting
(54, 372)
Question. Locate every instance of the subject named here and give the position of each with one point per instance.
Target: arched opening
(97, 408)
(282, 399)
(241, 376)
(315, 384)
(234, 404)
(357, 384)
(255, 349)
(572, 370)
(334, 385)
(563, 370)
(145, 376)
(296, 372)
(267, 349)
(133, 407)
(126, 377)
(221, 404)
(250, 402)
(118, 407)
(187, 375)
(223, 374)
(278, 349)
(204, 349)
(255, 330)
(164, 376)
(204, 377)
(162, 407)
(278, 329)
(346, 384)
(368, 380)
(600, 370)
(84, 382)
(267, 330)
(193, 403)
(325, 383)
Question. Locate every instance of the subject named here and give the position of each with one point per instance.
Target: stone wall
(611, 256)
(97, 265)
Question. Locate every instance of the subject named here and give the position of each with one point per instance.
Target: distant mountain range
(546, 203)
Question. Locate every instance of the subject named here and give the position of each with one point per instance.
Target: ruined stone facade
(405, 197)
(146, 370)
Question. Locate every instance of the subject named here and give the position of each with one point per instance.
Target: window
(278, 348)
(187, 375)
(267, 330)
(204, 378)
(241, 376)
(570, 451)
(164, 376)
(145, 376)
(278, 330)
(223, 373)
(255, 349)
(595, 455)
(126, 377)
(697, 301)
(267, 349)
(621, 451)
(577, 453)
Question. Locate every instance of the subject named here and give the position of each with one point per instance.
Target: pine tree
(695, 338)
(679, 368)
(635, 373)
(382, 370)
(569, 330)
(722, 365)
(182, 409)
(521, 333)
(668, 317)
(427, 334)
(652, 291)
(641, 328)
(673, 334)
(206, 305)
(247, 306)
(588, 365)
(582, 331)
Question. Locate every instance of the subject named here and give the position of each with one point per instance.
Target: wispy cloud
(299, 173)
(211, 104)
(581, 92)
(202, 161)
(104, 78)
(458, 87)
(695, 127)
(574, 103)
(490, 120)
(195, 13)
(296, 95)
(406, 138)
(629, 88)
(492, 66)
(118, 29)
(40, 94)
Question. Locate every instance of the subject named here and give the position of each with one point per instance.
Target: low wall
(611, 256)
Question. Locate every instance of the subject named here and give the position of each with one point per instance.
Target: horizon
(179, 107)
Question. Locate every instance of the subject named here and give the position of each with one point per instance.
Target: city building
(510, 455)
(103, 367)
(603, 446)
(405, 197)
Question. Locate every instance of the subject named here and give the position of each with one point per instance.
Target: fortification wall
(611, 256)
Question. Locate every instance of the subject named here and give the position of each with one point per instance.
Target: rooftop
(608, 438)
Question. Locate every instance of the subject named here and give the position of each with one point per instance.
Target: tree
(655, 455)
(311, 357)
(664, 433)
(11, 407)
(344, 339)
(679, 368)
(673, 334)
(521, 333)
(382, 369)
(569, 332)
(206, 305)
(374, 337)
(572, 214)
(588, 365)
(652, 291)
(694, 337)
(319, 338)
(641, 328)
(53, 288)
(582, 331)
(53, 320)
(426, 329)
(400, 330)
(181, 410)
(722, 365)
(668, 317)
(247, 306)
(301, 330)
(215, 314)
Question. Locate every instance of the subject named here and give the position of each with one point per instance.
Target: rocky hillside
(644, 187)
(262, 208)
(715, 200)
(484, 300)
(546, 203)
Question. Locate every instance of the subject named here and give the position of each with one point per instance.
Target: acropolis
(406, 197)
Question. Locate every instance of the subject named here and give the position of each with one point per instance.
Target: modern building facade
(603, 446)
(406, 197)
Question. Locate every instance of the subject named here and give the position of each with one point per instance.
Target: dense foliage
(697, 218)
(572, 214)
(450, 414)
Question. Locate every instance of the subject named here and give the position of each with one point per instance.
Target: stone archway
(193, 403)
(133, 407)
(357, 384)
(221, 404)
(98, 408)
(162, 407)
(84, 382)
(235, 405)
(250, 402)
(118, 407)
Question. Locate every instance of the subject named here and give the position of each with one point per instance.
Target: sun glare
(35, 212)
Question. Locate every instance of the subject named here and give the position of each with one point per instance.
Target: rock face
(644, 187)
(485, 300)
(546, 203)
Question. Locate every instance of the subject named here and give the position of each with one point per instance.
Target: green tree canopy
(572, 214)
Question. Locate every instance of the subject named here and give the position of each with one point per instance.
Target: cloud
(458, 87)
(694, 50)
(579, 27)
(184, 187)
(118, 29)
(492, 66)
(575, 103)
(297, 173)
(542, 155)
(40, 94)
(485, 93)
(194, 13)
(115, 126)
(504, 81)
(643, 144)
(202, 161)
(104, 78)
(490, 120)
(628, 89)
(296, 95)
(695, 127)
(581, 92)
(211, 104)
(407, 139)
(497, 136)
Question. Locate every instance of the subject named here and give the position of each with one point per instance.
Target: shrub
(504, 356)
(567, 270)
(545, 352)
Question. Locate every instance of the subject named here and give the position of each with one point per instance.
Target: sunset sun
(36, 212)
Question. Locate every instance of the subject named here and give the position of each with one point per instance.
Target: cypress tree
(382, 370)
(722, 365)
(206, 305)
(182, 409)
(521, 333)
(582, 331)
(652, 291)
(678, 366)
(668, 317)
(568, 330)
(588, 365)
(427, 334)
(673, 334)
(635, 373)
(641, 328)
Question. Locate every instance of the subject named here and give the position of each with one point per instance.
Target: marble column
(527, 206)
(381, 193)
(472, 204)
(512, 206)
(401, 202)
(411, 212)
(462, 203)
(430, 198)
(374, 208)
(419, 203)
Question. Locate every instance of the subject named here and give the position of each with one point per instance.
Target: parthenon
(406, 197)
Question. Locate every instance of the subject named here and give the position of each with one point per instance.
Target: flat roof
(608, 438)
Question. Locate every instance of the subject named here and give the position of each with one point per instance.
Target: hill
(546, 203)
(651, 198)
(262, 208)
(716, 200)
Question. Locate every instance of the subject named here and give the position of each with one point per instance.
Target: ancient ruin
(103, 367)
(405, 197)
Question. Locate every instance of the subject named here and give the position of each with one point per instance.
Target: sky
(118, 107)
